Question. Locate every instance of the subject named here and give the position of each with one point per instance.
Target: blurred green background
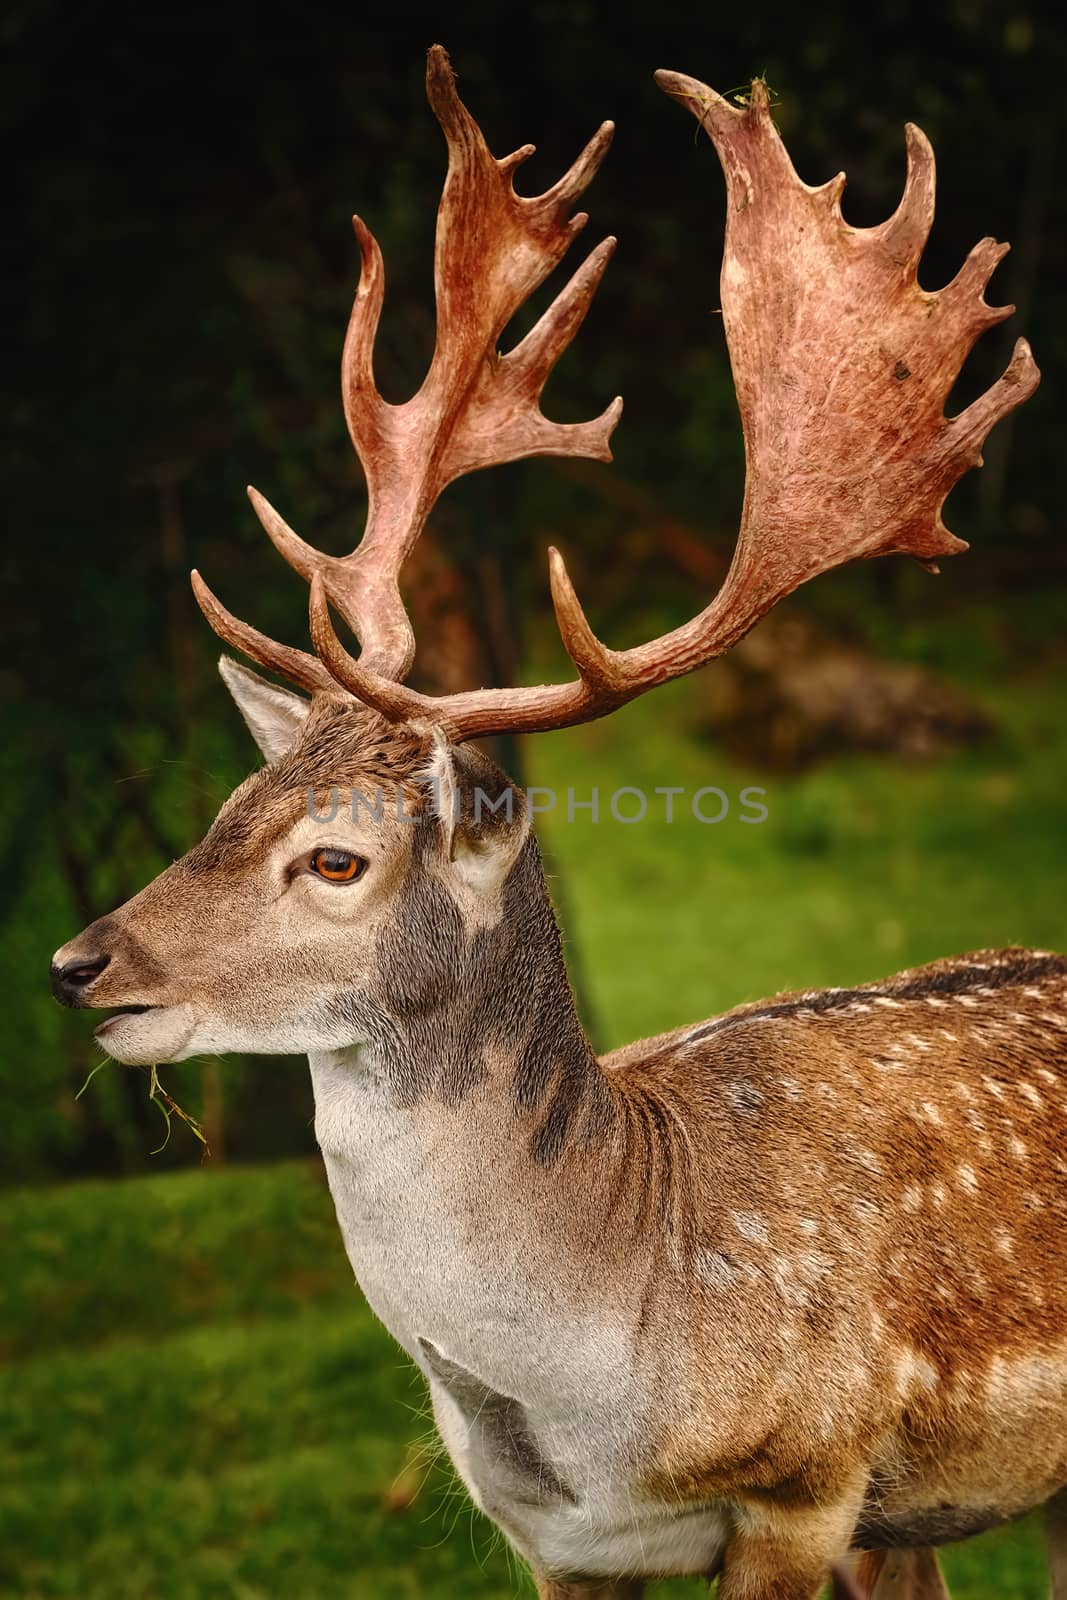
(196, 1402)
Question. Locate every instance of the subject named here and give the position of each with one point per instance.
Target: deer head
(274, 933)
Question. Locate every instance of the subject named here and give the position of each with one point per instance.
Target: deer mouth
(140, 1035)
(116, 1015)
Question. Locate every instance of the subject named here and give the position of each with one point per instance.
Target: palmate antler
(475, 409)
(842, 365)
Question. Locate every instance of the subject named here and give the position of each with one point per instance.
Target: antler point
(590, 657)
(676, 83)
(515, 160)
(441, 80)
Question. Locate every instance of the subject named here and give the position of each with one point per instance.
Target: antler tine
(905, 233)
(842, 365)
(305, 670)
(580, 175)
(475, 408)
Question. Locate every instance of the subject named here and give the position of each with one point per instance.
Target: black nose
(70, 980)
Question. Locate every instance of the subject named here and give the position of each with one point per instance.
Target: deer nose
(70, 980)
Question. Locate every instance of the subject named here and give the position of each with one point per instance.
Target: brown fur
(822, 1237)
(923, 1138)
(833, 1222)
(901, 1575)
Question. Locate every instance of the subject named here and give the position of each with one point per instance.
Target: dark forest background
(181, 266)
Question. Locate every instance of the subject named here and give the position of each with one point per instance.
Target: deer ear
(275, 717)
(483, 816)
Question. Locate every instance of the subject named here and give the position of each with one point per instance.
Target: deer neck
(449, 1126)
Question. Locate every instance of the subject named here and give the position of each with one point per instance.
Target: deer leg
(780, 1554)
(1056, 1540)
(901, 1575)
(607, 1589)
(845, 1584)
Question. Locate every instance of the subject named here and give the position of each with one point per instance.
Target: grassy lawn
(195, 1400)
(862, 866)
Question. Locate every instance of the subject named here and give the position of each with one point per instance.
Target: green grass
(862, 866)
(196, 1402)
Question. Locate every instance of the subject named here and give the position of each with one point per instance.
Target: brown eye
(339, 866)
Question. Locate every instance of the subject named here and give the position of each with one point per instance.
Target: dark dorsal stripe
(1015, 969)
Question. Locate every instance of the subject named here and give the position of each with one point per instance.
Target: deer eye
(338, 866)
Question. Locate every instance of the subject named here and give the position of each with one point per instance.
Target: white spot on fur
(994, 1088)
(749, 1226)
(716, 1269)
(786, 1280)
(814, 1264)
(809, 1226)
(1004, 1241)
(744, 1096)
(1028, 1092)
(968, 1178)
(912, 1198)
(939, 1195)
(932, 1113)
(1018, 1149)
(915, 1372)
(917, 1043)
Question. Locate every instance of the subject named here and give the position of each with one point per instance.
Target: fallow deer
(768, 1291)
